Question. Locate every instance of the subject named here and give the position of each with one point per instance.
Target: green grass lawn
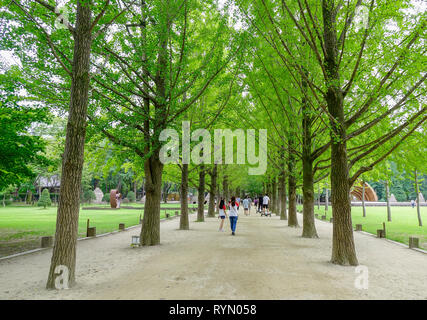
(21, 227)
(140, 205)
(403, 225)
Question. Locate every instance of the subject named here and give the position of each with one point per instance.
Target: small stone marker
(91, 231)
(46, 242)
(167, 215)
(331, 220)
(414, 242)
(323, 217)
(177, 213)
(121, 226)
(380, 233)
(358, 227)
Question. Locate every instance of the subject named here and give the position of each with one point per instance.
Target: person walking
(222, 214)
(246, 205)
(233, 215)
(413, 203)
(265, 201)
(260, 203)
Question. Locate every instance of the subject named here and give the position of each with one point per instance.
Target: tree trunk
(218, 197)
(318, 196)
(343, 250)
(64, 249)
(282, 196)
(183, 219)
(292, 186)
(201, 195)
(420, 223)
(274, 195)
(225, 188)
(212, 190)
(308, 226)
(363, 199)
(326, 199)
(150, 230)
(387, 197)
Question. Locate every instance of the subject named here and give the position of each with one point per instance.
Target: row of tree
(337, 96)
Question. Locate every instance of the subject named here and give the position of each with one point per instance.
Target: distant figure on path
(260, 203)
(413, 203)
(233, 214)
(246, 205)
(265, 201)
(222, 214)
(118, 198)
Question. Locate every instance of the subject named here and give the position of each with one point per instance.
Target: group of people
(233, 210)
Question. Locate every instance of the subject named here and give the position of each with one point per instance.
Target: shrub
(88, 196)
(125, 200)
(131, 196)
(106, 197)
(44, 200)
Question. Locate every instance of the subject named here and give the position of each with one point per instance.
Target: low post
(87, 228)
(414, 242)
(167, 215)
(140, 219)
(384, 229)
(91, 232)
(177, 213)
(331, 220)
(121, 226)
(358, 227)
(46, 242)
(380, 233)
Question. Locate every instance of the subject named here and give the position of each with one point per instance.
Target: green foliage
(106, 197)
(44, 200)
(18, 147)
(131, 196)
(88, 196)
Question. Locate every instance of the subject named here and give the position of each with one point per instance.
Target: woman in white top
(233, 214)
(222, 214)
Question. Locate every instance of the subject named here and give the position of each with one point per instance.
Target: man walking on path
(265, 201)
(246, 206)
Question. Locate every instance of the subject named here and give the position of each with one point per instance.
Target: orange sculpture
(357, 192)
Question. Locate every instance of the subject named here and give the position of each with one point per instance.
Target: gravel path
(265, 260)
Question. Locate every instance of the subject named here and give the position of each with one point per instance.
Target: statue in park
(114, 199)
(392, 198)
(98, 195)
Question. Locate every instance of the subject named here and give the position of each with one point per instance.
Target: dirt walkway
(265, 260)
